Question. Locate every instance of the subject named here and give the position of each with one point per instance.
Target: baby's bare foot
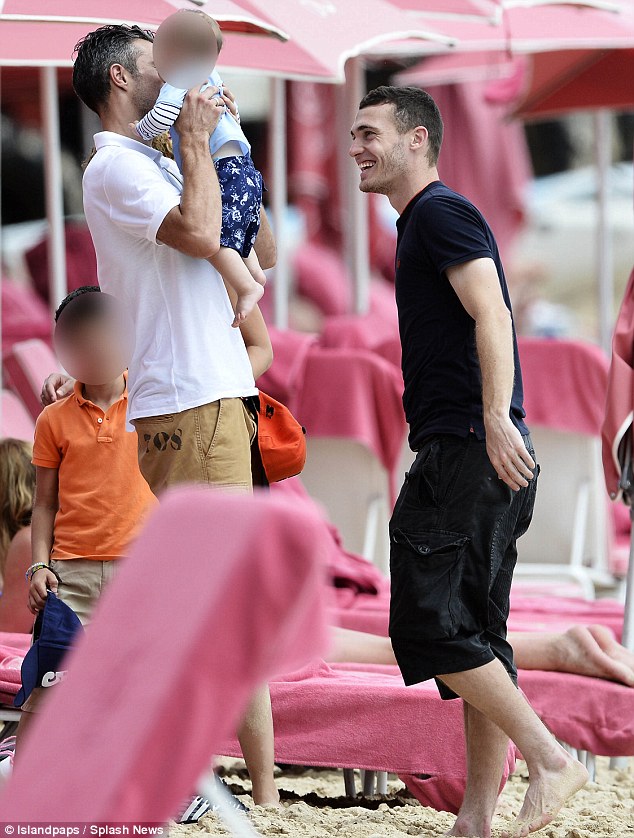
(246, 303)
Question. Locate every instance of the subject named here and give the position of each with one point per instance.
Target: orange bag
(281, 440)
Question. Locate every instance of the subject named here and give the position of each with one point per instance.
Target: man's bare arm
(265, 248)
(477, 285)
(193, 227)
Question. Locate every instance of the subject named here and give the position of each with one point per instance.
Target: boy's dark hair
(85, 306)
(95, 55)
(412, 107)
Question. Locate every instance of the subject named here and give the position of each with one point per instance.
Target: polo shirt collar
(402, 219)
(106, 138)
(77, 389)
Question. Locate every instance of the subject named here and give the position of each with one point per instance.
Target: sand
(315, 807)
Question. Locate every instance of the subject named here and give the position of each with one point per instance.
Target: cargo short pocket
(426, 570)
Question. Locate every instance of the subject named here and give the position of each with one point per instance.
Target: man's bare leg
(257, 744)
(487, 747)
(236, 274)
(554, 776)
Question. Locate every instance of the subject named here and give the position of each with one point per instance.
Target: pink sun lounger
(220, 593)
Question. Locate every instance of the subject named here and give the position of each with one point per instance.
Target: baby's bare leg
(253, 264)
(236, 274)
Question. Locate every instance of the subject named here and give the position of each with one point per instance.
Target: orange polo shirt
(102, 496)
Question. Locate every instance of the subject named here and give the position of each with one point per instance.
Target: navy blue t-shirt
(443, 386)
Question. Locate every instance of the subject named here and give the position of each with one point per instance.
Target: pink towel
(353, 394)
(587, 713)
(13, 648)
(220, 592)
(572, 396)
(285, 375)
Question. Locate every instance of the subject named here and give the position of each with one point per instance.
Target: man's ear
(119, 76)
(419, 138)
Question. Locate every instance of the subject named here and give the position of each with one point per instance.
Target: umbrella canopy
(578, 80)
(323, 36)
(320, 37)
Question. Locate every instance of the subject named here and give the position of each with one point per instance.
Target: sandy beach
(315, 807)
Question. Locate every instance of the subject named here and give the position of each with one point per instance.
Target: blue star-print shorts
(241, 190)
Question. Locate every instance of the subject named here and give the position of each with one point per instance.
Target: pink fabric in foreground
(220, 592)
(363, 716)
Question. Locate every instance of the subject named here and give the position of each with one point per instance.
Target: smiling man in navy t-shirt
(470, 492)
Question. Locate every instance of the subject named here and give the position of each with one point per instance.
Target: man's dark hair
(95, 55)
(85, 305)
(412, 107)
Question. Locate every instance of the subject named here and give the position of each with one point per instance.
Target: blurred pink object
(220, 593)
(15, 420)
(24, 315)
(81, 262)
(26, 364)
(285, 376)
(321, 277)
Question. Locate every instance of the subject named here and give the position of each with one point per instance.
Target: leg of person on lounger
(582, 650)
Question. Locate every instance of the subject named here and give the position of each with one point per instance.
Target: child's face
(97, 351)
(185, 49)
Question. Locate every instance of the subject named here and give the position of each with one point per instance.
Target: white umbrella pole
(605, 261)
(53, 184)
(279, 189)
(356, 226)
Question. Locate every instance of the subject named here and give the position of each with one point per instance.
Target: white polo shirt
(185, 351)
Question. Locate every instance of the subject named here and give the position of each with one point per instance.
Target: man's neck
(121, 124)
(105, 395)
(411, 187)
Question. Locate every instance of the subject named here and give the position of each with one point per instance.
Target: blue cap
(53, 634)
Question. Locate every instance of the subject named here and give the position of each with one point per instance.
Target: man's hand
(200, 112)
(57, 386)
(42, 582)
(230, 103)
(507, 452)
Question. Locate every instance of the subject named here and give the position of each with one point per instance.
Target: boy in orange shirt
(90, 496)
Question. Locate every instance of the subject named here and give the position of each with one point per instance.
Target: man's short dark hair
(95, 55)
(80, 305)
(412, 107)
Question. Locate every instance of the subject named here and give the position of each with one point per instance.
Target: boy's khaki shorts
(83, 583)
(207, 444)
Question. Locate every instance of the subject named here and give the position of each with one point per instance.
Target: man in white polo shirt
(154, 228)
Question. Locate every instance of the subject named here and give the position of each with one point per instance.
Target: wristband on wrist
(33, 569)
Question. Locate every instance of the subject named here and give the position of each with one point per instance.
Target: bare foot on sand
(468, 826)
(246, 303)
(548, 791)
(593, 651)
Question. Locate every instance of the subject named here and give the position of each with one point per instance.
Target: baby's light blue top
(226, 130)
